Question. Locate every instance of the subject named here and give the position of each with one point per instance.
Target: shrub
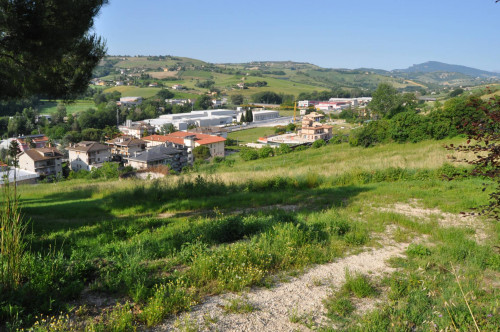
(284, 149)
(318, 143)
(248, 154)
(266, 152)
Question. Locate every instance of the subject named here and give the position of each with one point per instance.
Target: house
(136, 129)
(43, 161)
(177, 87)
(214, 131)
(87, 155)
(241, 85)
(182, 139)
(312, 130)
(125, 146)
(159, 155)
(153, 85)
(130, 101)
(178, 101)
(39, 141)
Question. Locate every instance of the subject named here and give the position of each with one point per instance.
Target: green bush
(248, 154)
(318, 143)
(266, 152)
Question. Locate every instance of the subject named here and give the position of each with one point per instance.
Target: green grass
(133, 91)
(50, 107)
(250, 135)
(165, 245)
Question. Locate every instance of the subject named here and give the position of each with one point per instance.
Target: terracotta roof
(156, 138)
(126, 141)
(34, 138)
(2, 164)
(200, 139)
(40, 154)
(88, 146)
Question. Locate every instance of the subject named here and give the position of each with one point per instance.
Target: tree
(165, 94)
(201, 152)
(204, 102)
(167, 128)
(385, 99)
(237, 99)
(46, 48)
(484, 141)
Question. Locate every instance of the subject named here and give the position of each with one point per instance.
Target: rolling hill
(286, 77)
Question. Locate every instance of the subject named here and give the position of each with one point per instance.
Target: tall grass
(12, 244)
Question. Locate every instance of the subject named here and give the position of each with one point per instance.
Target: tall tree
(46, 48)
(385, 99)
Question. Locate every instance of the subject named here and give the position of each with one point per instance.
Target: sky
(385, 34)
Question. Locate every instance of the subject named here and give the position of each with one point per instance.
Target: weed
(358, 284)
(239, 305)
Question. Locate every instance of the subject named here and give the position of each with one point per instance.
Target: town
(249, 166)
(144, 144)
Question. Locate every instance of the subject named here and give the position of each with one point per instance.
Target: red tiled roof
(178, 138)
(200, 139)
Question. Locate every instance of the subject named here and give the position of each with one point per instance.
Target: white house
(43, 161)
(87, 155)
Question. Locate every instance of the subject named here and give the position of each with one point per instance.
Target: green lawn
(50, 107)
(250, 135)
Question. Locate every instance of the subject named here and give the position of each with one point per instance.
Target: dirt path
(301, 296)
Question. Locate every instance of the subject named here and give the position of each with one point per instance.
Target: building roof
(42, 154)
(178, 138)
(200, 139)
(34, 138)
(125, 141)
(2, 164)
(88, 146)
(156, 153)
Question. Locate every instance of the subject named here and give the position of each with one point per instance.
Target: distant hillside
(286, 77)
(435, 66)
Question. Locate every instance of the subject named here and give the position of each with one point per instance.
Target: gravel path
(301, 296)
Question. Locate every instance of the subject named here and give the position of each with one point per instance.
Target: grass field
(133, 91)
(250, 135)
(50, 107)
(154, 249)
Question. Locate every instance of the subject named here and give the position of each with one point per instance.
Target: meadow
(122, 255)
(50, 107)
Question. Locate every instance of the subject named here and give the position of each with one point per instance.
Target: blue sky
(385, 34)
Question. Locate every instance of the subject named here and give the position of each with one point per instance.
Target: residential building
(125, 146)
(179, 101)
(88, 155)
(159, 155)
(130, 101)
(177, 87)
(214, 131)
(182, 139)
(43, 161)
(136, 129)
(312, 130)
(39, 141)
